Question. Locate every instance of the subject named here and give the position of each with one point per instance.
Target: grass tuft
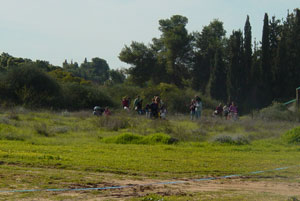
(129, 138)
(233, 140)
(292, 136)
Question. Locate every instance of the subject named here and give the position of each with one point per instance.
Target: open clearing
(42, 150)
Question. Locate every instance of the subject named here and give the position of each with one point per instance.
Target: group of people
(99, 111)
(228, 111)
(155, 109)
(196, 108)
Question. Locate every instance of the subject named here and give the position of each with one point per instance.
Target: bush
(129, 138)
(158, 138)
(234, 140)
(115, 123)
(43, 130)
(292, 136)
(277, 111)
(126, 138)
(32, 87)
(78, 96)
(8, 132)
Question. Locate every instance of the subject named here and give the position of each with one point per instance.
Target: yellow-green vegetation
(127, 145)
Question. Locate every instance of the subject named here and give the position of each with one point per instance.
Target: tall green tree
(142, 60)
(177, 48)
(218, 87)
(248, 51)
(236, 71)
(207, 42)
(267, 73)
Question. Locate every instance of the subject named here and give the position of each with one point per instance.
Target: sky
(55, 30)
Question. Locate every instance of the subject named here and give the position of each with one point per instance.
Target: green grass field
(46, 150)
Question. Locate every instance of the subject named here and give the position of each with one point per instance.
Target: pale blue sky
(55, 30)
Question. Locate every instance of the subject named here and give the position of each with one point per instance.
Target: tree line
(233, 68)
(177, 65)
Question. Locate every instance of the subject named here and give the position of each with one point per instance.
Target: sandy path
(234, 184)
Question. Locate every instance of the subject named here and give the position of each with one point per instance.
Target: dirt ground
(141, 188)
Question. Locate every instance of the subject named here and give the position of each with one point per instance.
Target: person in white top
(198, 107)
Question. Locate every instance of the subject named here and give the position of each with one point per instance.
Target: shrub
(78, 96)
(43, 130)
(234, 140)
(115, 123)
(154, 197)
(292, 136)
(126, 138)
(32, 87)
(59, 129)
(158, 138)
(129, 138)
(277, 111)
(8, 132)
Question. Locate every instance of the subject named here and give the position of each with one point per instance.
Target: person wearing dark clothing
(219, 110)
(192, 109)
(138, 105)
(148, 111)
(154, 107)
(125, 103)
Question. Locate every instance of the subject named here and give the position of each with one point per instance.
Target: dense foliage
(227, 69)
(176, 66)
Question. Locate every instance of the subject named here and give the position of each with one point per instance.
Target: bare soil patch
(141, 188)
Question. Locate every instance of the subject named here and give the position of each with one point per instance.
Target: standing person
(147, 111)
(192, 109)
(138, 104)
(226, 111)
(233, 111)
(125, 103)
(154, 109)
(163, 111)
(107, 112)
(198, 108)
(219, 110)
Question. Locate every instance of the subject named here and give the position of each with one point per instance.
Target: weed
(60, 129)
(161, 126)
(126, 138)
(292, 136)
(293, 198)
(42, 129)
(115, 123)
(129, 138)
(4, 120)
(277, 111)
(83, 114)
(13, 116)
(235, 140)
(153, 198)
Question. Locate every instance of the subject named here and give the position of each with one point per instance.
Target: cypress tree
(218, 78)
(248, 51)
(235, 75)
(266, 64)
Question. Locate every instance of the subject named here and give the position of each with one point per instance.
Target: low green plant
(292, 136)
(42, 129)
(154, 197)
(234, 140)
(114, 123)
(277, 112)
(125, 138)
(129, 138)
